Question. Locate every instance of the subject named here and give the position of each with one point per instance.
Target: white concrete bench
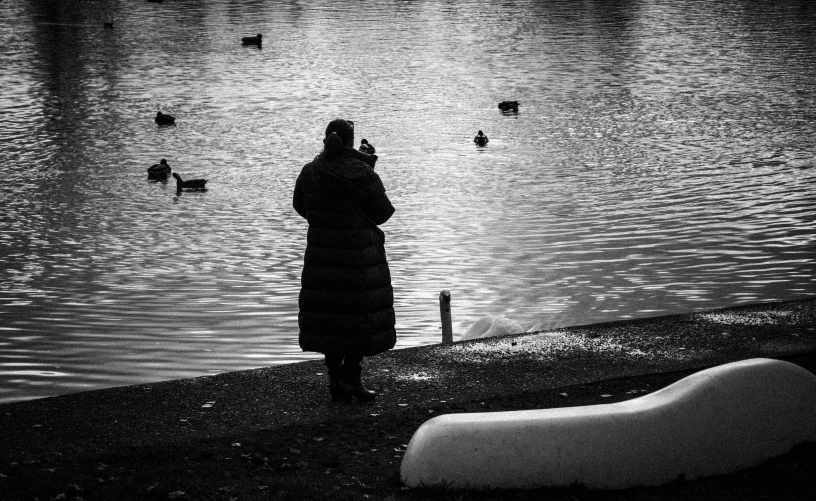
(712, 422)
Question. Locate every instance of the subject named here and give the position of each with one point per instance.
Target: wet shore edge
(274, 430)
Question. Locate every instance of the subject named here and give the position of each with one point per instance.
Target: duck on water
(159, 171)
(190, 184)
(256, 40)
(480, 139)
(509, 105)
(164, 119)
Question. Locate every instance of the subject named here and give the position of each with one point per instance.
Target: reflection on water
(661, 161)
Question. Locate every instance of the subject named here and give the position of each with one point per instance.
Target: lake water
(662, 161)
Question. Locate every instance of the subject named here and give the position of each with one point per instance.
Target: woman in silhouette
(346, 299)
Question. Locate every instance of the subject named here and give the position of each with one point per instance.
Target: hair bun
(333, 145)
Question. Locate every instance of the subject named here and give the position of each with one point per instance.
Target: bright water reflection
(661, 162)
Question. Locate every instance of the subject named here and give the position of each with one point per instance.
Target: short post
(445, 313)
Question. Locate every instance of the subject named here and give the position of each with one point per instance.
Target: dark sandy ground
(273, 433)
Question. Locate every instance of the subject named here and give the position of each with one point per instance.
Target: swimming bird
(108, 25)
(509, 105)
(498, 325)
(163, 119)
(191, 184)
(367, 147)
(480, 139)
(159, 171)
(256, 40)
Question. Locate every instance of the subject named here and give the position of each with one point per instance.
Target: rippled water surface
(662, 161)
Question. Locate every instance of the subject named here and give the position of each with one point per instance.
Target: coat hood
(339, 174)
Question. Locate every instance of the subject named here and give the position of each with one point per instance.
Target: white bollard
(445, 313)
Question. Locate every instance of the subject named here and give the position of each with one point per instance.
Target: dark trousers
(351, 361)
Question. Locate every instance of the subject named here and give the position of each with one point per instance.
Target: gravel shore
(274, 433)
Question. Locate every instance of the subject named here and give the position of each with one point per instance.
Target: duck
(159, 171)
(164, 119)
(190, 184)
(509, 105)
(480, 139)
(108, 25)
(367, 147)
(256, 40)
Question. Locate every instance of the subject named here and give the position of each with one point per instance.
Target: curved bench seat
(715, 421)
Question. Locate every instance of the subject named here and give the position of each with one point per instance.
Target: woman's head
(339, 134)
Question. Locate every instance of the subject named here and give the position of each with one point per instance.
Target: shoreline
(118, 442)
(457, 339)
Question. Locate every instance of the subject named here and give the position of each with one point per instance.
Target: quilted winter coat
(346, 299)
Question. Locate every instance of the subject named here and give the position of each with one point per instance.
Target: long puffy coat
(346, 299)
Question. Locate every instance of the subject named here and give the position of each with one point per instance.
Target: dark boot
(336, 377)
(352, 384)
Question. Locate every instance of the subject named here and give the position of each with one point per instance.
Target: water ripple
(661, 161)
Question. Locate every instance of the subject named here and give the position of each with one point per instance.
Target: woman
(346, 299)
